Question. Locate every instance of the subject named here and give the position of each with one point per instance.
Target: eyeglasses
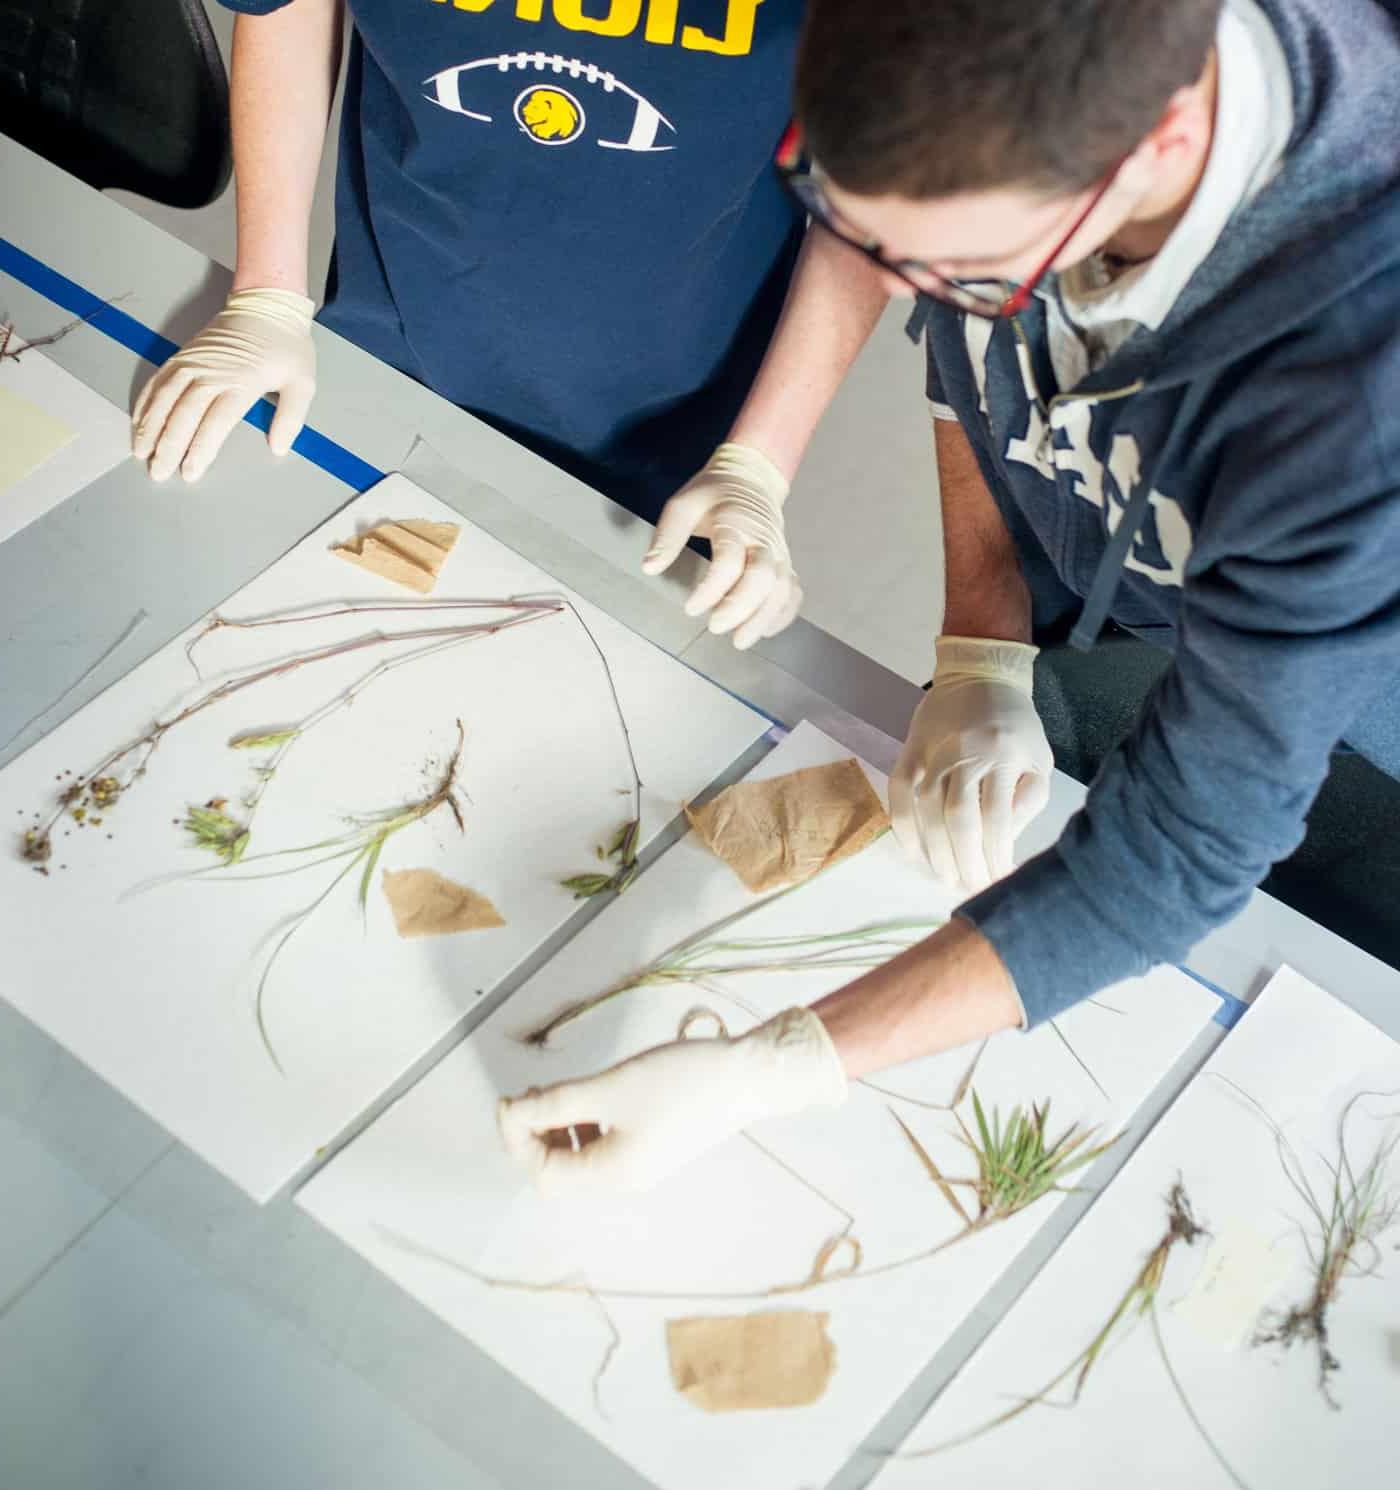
(992, 300)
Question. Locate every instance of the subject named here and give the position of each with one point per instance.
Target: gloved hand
(736, 502)
(259, 343)
(662, 1108)
(975, 768)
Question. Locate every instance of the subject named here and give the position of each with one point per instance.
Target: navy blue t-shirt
(562, 216)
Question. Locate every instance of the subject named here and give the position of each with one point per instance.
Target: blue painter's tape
(320, 450)
(1230, 1008)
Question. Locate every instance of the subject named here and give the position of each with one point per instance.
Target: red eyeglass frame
(800, 181)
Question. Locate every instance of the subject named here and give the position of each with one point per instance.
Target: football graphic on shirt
(552, 100)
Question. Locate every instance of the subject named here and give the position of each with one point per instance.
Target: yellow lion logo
(549, 115)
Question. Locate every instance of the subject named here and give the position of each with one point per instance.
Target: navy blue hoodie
(1227, 485)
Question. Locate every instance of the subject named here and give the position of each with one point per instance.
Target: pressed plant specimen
(1346, 1217)
(1018, 1161)
(710, 954)
(102, 786)
(359, 849)
(1138, 1301)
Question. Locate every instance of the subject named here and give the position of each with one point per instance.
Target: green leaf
(214, 829)
(267, 740)
(586, 885)
(627, 849)
(372, 853)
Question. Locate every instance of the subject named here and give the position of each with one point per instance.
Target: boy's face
(1001, 234)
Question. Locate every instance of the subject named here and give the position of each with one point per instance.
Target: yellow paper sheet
(733, 1363)
(410, 552)
(28, 437)
(425, 903)
(783, 830)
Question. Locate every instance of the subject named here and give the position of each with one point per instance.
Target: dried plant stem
(1154, 1319)
(1346, 1221)
(9, 333)
(362, 850)
(145, 745)
(959, 1092)
(617, 710)
(333, 706)
(1079, 1060)
(613, 1345)
(1021, 1140)
(1137, 1299)
(685, 961)
(623, 850)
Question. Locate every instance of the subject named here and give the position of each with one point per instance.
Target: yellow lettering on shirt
(661, 22)
(621, 19)
(624, 16)
(737, 40)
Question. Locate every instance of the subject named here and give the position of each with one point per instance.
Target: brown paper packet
(782, 831)
(426, 904)
(409, 553)
(729, 1363)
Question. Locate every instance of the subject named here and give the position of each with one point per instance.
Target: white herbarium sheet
(426, 1188)
(56, 436)
(149, 975)
(1301, 1056)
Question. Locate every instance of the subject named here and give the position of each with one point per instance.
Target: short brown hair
(928, 98)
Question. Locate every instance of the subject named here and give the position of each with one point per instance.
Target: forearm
(284, 73)
(986, 591)
(950, 989)
(832, 306)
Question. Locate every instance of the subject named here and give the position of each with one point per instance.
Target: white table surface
(157, 1328)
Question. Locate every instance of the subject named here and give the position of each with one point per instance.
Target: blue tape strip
(335, 460)
(1231, 1009)
(321, 451)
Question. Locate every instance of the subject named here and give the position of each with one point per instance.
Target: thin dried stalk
(1043, 1163)
(709, 954)
(959, 1092)
(359, 850)
(1346, 1221)
(623, 849)
(1138, 1300)
(114, 782)
(8, 333)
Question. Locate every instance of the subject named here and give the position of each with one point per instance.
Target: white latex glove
(259, 343)
(662, 1108)
(975, 768)
(736, 502)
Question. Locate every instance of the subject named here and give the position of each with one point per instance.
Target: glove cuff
(980, 657)
(737, 462)
(285, 307)
(797, 1063)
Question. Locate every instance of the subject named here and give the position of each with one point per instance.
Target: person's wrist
(791, 1064)
(991, 659)
(288, 308)
(735, 460)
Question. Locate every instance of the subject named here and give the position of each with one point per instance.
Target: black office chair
(1345, 874)
(127, 93)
